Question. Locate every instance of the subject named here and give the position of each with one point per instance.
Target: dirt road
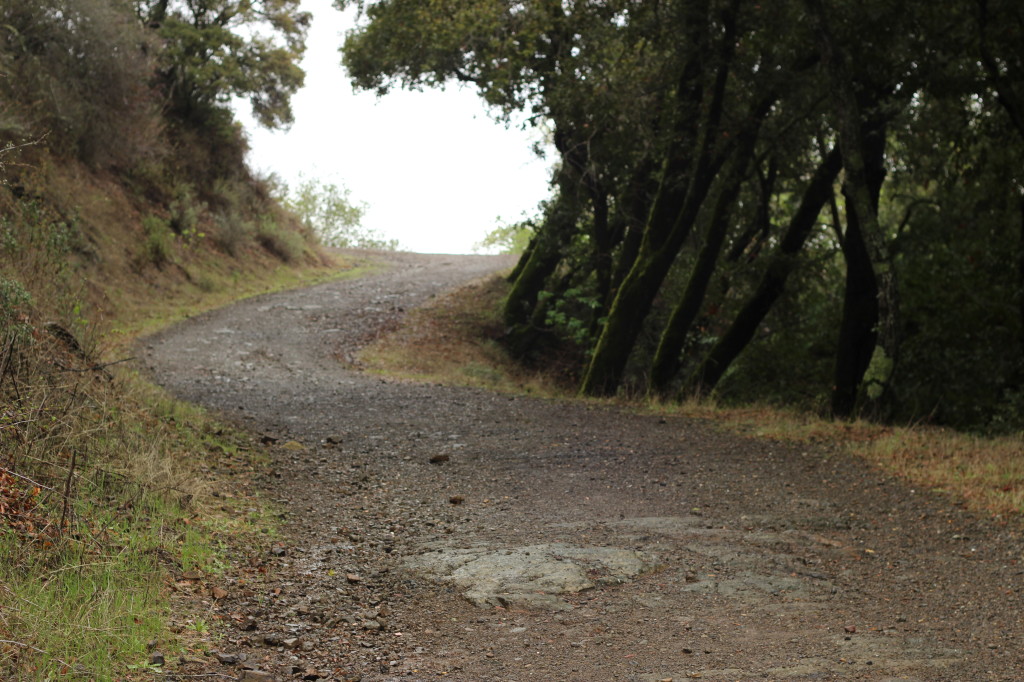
(441, 532)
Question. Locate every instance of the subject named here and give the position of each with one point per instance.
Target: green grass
(88, 543)
(83, 611)
(83, 569)
(105, 481)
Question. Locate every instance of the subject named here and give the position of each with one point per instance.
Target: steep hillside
(125, 203)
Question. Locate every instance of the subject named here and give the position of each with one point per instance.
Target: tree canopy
(101, 78)
(813, 201)
(213, 50)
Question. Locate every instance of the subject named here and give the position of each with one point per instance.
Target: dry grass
(100, 481)
(104, 481)
(987, 474)
(210, 285)
(452, 341)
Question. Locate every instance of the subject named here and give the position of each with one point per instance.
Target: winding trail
(446, 532)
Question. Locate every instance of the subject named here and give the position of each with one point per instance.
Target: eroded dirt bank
(441, 532)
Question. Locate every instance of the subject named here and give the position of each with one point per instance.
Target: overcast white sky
(434, 169)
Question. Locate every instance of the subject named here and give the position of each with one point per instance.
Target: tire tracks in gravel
(437, 532)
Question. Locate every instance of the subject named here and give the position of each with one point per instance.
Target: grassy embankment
(107, 504)
(452, 342)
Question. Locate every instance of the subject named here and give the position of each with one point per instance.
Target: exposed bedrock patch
(532, 576)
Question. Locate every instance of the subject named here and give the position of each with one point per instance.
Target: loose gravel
(434, 532)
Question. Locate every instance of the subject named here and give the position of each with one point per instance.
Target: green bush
(284, 245)
(14, 304)
(81, 72)
(328, 211)
(230, 232)
(186, 212)
(157, 248)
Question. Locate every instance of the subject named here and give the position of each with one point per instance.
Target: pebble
(226, 659)
(255, 676)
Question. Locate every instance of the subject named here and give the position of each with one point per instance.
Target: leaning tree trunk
(524, 258)
(773, 282)
(541, 260)
(666, 363)
(666, 358)
(632, 211)
(684, 186)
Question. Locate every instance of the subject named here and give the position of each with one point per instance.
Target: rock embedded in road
(527, 577)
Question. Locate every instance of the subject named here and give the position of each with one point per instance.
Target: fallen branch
(96, 368)
(27, 479)
(176, 676)
(79, 670)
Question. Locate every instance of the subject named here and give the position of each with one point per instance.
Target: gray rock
(529, 577)
(256, 676)
(226, 659)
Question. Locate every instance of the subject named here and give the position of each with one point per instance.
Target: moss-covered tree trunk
(666, 358)
(538, 264)
(689, 171)
(869, 331)
(773, 282)
(665, 364)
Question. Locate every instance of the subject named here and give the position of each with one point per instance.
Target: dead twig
(79, 670)
(67, 491)
(176, 676)
(96, 368)
(27, 479)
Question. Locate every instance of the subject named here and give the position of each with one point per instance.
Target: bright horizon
(434, 169)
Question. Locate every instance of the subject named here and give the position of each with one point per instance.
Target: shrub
(159, 239)
(14, 304)
(186, 212)
(284, 245)
(328, 211)
(81, 69)
(230, 232)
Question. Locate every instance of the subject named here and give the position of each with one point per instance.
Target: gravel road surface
(446, 533)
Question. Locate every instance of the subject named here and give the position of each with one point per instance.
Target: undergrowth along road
(442, 531)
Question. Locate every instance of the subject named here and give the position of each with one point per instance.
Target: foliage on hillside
(810, 202)
(124, 198)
